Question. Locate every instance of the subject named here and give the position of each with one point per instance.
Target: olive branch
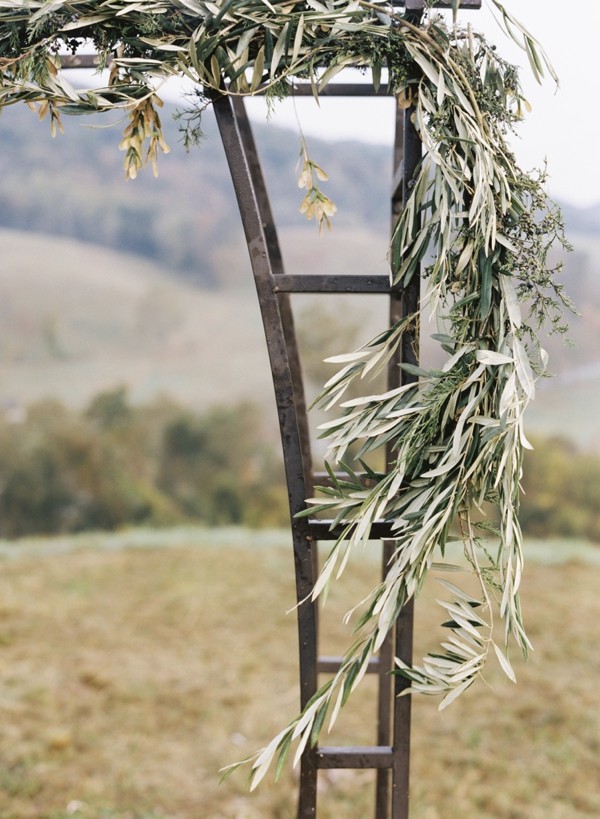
(475, 227)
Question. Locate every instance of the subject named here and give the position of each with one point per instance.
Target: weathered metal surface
(273, 286)
(315, 283)
(323, 530)
(375, 757)
(329, 665)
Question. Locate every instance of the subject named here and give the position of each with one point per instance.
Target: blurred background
(132, 361)
(146, 568)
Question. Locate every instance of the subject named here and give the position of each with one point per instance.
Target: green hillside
(77, 318)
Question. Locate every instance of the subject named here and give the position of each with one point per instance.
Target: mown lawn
(129, 675)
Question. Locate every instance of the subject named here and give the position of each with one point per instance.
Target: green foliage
(58, 475)
(216, 467)
(116, 464)
(248, 45)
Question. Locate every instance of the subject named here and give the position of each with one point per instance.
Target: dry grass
(129, 676)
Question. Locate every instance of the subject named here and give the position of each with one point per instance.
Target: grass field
(133, 666)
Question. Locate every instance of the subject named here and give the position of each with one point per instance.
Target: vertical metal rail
(266, 260)
(407, 156)
(305, 551)
(406, 305)
(395, 721)
(285, 308)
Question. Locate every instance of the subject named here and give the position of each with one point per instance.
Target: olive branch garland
(232, 46)
(480, 228)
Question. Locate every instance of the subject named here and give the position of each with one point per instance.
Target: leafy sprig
(316, 204)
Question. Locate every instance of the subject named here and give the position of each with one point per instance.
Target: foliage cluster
(116, 464)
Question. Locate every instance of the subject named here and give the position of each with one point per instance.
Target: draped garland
(477, 227)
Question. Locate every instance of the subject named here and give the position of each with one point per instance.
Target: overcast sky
(562, 125)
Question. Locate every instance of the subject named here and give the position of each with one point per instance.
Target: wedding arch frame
(389, 756)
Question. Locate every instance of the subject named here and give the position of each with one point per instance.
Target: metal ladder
(274, 287)
(390, 755)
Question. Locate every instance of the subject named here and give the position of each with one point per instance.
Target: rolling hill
(147, 283)
(186, 219)
(77, 318)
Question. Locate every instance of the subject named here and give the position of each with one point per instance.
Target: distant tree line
(116, 464)
(169, 219)
(561, 491)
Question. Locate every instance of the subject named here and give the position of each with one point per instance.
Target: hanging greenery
(478, 226)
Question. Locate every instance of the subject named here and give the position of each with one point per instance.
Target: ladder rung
(321, 529)
(342, 89)
(440, 4)
(329, 665)
(375, 756)
(81, 61)
(318, 283)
